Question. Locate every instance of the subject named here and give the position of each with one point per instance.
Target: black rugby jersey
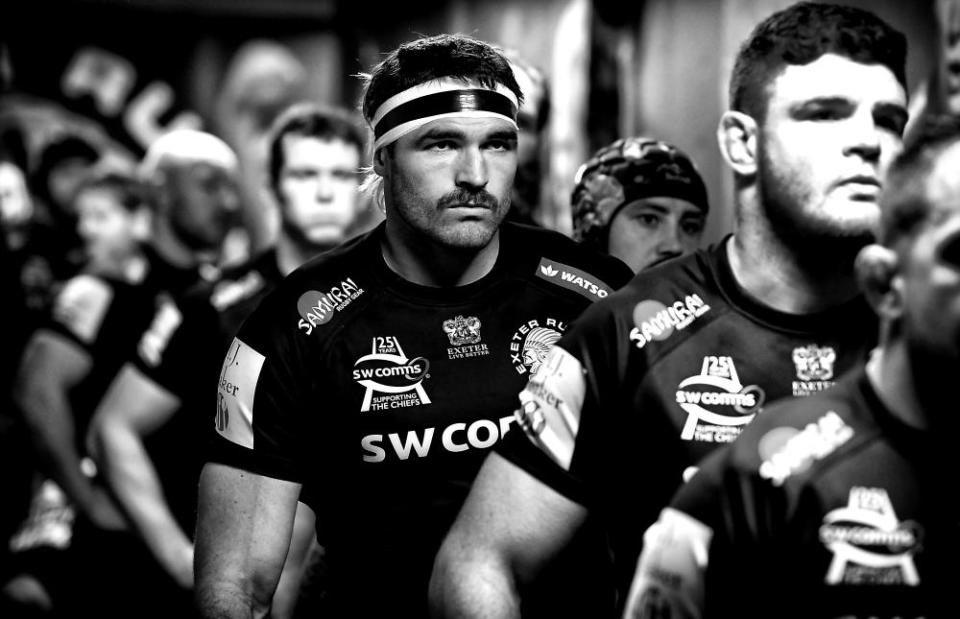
(829, 507)
(182, 352)
(382, 396)
(106, 317)
(656, 376)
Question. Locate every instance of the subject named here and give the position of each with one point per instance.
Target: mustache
(465, 197)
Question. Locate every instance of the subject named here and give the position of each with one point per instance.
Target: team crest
(870, 546)
(814, 366)
(530, 344)
(464, 335)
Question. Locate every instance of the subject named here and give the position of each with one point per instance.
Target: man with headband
(373, 380)
(640, 200)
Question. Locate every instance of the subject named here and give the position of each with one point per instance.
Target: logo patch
(870, 545)
(530, 344)
(787, 451)
(814, 368)
(235, 393)
(573, 279)
(154, 341)
(317, 308)
(387, 370)
(718, 406)
(227, 293)
(654, 321)
(464, 335)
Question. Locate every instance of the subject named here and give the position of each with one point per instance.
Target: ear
(878, 274)
(737, 137)
(380, 161)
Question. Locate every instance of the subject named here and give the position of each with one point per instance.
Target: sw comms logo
(718, 406)
(389, 371)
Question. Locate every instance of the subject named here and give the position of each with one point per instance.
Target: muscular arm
(133, 407)
(51, 366)
(669, 581)
(244, 524)
(509, 528)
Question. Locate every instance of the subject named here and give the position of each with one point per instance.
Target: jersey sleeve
(262, 398)
(80, 308)
(562, 408)
(179, 333)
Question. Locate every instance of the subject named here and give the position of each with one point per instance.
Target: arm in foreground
(133, 407)
(669, 581)
(244, 525)
(509, 528)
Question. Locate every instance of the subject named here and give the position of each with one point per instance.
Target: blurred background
(120, 72)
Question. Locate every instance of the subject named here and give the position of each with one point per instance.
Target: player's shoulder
(82, 304)
(322, 289)
(797, 436)
(553, 258)
(243, 282)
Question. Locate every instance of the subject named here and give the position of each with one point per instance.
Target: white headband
(443, 98)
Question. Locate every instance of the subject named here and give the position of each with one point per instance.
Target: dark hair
(802, 33)
(905, 204)
(314, 121)
(429, 58)
(126, 187)
(54, 153)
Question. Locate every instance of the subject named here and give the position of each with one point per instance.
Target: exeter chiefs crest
(814, 366)
(462, 331)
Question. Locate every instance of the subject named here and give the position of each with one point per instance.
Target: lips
(861, 180)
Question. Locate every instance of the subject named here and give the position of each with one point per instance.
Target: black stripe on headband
(466, 100)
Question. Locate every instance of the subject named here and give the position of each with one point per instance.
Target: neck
(791, 279)
(892, 376)
(428, 263)
(291, 255)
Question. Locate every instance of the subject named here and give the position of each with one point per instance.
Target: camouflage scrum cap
(630, 169)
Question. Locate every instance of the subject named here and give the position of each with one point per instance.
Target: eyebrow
(446, 133)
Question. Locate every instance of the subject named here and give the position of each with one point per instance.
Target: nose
(864, 137)
(324, 188)
(472, 170)
(669, 244)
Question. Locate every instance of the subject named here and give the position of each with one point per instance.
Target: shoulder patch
(230, 292)
(572, 278)
(81, 306)
(235, 393)
(154, 341)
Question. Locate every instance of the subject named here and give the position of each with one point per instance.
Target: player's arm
(244, 525)
(509, 528)
(669, 581)
(512, 523)
(51, 366)
(301, 542)
(133, 407)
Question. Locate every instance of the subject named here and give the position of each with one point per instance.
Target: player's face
(318, 188)
(450, 180)
(203, 203)
(651, 230)
(107, 228)
(931, 268)
(832, 127)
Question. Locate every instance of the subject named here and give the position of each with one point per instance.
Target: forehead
(832, 76)
(467, 127)
(320, 150)
(96, 198)
(667, 204)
